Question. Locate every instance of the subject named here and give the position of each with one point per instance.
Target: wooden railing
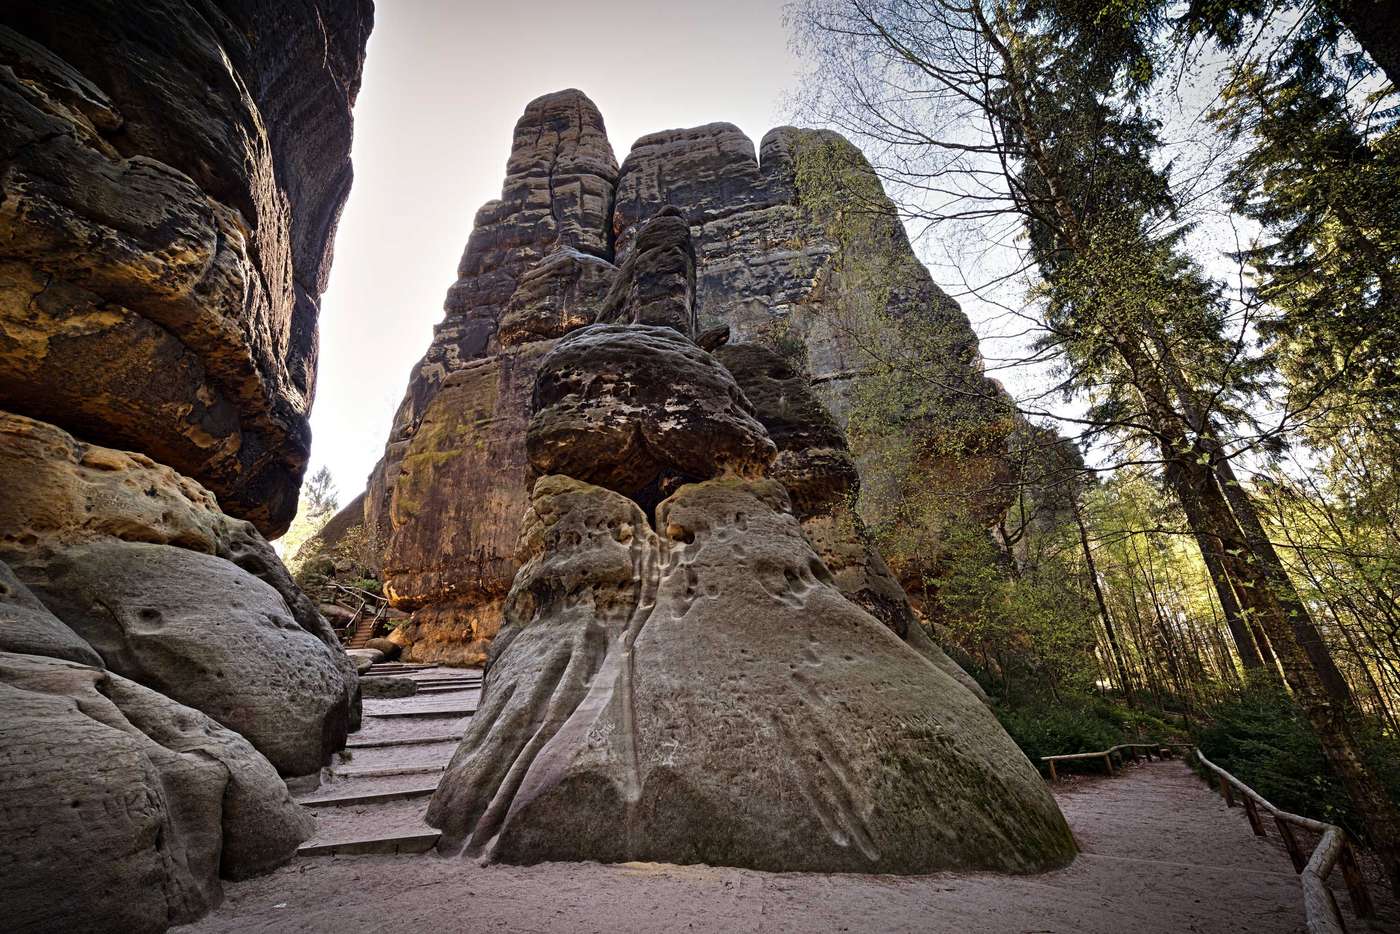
(1161, 750)
(1333, 849)
(365, 599)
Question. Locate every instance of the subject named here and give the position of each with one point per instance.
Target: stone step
(404, 741)
(408, 842)
(376, 729)
(402, 756)
(389, 771)
(426, 713)
(384, 827)
(432, 687)
(367, 791)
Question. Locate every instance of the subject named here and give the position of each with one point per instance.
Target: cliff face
(774, 260)
(171, 174)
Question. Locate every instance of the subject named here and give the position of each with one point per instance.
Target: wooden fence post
(1356, 884)
(1108, 761)
(1290, 842)
(1227, 791)
(1252, 812)
(1053, 777)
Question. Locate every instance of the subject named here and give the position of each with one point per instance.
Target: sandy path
(1161, 854)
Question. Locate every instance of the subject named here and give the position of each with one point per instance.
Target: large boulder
(708, 695)
(560, 294)
(640, 410)
(174, 178)
(656, 284)
(206, 633)
(123, 809)
(57, 492)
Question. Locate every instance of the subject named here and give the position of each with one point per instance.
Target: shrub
(1259, 736)
(1080, 724)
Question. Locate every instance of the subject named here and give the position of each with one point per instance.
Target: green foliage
(1030, 633)
(1259, 736)
(370, 584)
(1078, 724)
(315, 508)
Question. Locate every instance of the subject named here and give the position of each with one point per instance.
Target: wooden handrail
(1320, 908)
(1322, 913)
(1107, 754)
(358, 593)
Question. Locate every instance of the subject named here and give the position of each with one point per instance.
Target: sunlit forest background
(1184, 519)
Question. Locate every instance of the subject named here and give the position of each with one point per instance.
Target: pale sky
(444, 83)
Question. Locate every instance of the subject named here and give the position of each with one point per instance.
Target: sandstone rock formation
(28, 628)
(60, 498)
(757, 245)
(815, 466)
(536, 267)
(640, 409)
(122, 809)
(173, 177)
(699, 689)
(206, 633)
(449, 559)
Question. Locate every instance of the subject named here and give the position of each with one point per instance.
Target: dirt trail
(1161, 854)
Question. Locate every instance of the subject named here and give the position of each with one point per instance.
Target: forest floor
(1160, 853)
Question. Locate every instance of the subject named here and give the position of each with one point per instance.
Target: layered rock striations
(537, 266)
(685, 681)
(171, 175)
(757, 245)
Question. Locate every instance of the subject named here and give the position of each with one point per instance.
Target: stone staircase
(372, 798)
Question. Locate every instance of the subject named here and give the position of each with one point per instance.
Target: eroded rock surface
(557, 195)
(57, 492)
(709, 695)
(537, 266)
(28, 628)
(815, 466)
(641, 409)
(173, 177)
(206, 633)
(700, 689)
(451, 558)
(656, 285)
(123, 809)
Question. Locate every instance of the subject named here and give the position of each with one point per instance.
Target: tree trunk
(1261, 549)
(1118, 664)
(1218, 563)
(1372, 23)
(1194, 481)
(1330, 717)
